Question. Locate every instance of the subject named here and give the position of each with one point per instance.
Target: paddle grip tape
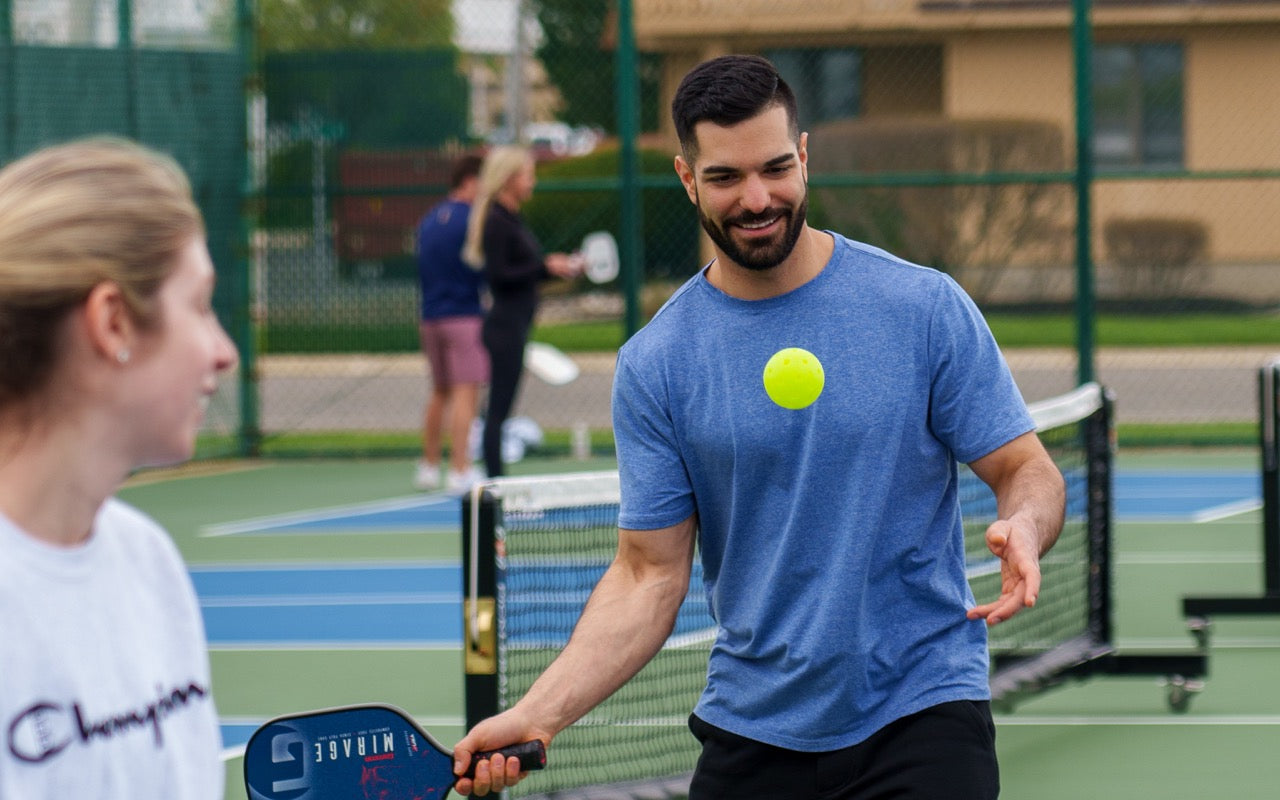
(532, 755)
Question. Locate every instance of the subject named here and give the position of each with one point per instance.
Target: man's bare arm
(1030, 502)
(631, 612)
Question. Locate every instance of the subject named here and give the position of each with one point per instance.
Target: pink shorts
(454, 351)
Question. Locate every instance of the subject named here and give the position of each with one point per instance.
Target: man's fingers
(461, 759)
(1031, 584)
(1002, 608)
(997, 538)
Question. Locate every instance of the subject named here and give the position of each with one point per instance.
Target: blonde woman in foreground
(109, 353)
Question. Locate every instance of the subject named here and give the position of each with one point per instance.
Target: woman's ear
(108, 324)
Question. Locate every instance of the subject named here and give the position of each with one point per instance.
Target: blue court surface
(1140, 495)
(1184, 496)
(417, 513)
(313, 605)
(418, 604)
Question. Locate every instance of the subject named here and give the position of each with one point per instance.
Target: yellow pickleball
(793, 378)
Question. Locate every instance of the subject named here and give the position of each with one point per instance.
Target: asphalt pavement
(387, 392)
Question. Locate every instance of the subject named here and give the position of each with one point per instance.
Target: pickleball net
(535, 547)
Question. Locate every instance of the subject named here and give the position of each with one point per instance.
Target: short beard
(766, 254)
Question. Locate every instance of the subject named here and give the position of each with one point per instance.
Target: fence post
(630, 235)
(1085, 301)
(124, 41)
(244, 326)
(10, 118)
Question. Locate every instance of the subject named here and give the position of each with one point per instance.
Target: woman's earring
(122, 355)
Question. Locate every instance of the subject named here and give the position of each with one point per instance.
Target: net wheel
(1180, 692)
(1199, 628)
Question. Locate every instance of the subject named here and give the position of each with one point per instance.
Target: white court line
(321, 515)
(1227, 510)
(1205, 498)
(1236, 518)
(1217, 642)
(302, 600)
(336, 646)
(274, 646)
(322, 566)
(1187, 557)
(359, 529)
(426, 722)
(1120, 720)
(1156, 519)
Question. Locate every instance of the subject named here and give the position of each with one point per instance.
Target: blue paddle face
(358, 753)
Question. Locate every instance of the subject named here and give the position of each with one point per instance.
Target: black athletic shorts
(946, 752)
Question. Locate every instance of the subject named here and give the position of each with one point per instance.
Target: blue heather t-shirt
(830, 536)
(450, 288)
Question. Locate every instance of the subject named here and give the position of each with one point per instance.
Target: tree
(385, 71)
(976, 231)
(289, 25)
(578, 54)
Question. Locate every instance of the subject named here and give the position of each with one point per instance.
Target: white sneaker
(426, 476)
(461, 482)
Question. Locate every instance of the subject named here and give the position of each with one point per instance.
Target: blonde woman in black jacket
(500, 243)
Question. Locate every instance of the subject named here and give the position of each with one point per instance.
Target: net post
(1096, 429)
(479, 612)
(1269, 396)
(1199, 609)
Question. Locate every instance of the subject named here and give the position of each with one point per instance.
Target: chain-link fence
(947, 131)
(168, 74)
(355, 138)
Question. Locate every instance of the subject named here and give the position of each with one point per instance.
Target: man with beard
(850, 658)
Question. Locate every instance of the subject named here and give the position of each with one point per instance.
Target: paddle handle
(532, 755)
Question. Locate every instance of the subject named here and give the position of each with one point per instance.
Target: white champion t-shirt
(104, 668)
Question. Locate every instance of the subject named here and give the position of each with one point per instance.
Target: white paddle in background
(600, 264)
(549, 363)
(600, 254)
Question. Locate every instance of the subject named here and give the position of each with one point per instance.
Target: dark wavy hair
(725, 91)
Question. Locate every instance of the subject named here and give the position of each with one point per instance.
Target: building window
(827, 82)
(1137, 106)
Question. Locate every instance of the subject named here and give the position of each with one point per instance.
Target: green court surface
(1105, 737)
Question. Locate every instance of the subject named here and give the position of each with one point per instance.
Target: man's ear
(803, 150)
(685, 171)
(108, 324)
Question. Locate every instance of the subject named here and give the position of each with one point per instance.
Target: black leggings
(506, 366)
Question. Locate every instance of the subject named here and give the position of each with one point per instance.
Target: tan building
(1187, 123)
(491, 96)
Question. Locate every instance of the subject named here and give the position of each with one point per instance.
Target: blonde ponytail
(499, 166)
(73, 216)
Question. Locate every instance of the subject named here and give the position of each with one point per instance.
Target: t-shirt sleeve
(656, 491)
(975, 406)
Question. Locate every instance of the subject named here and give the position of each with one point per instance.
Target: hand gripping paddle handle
(532, 755)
